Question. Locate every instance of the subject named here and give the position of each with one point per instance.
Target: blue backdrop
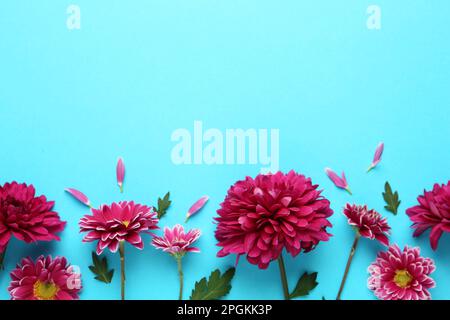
(72, 101)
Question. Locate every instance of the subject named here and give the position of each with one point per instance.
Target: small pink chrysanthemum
(25, 216)
(369, 223)
(401, 275)
(176, 242)
(433, 212)
(45, 279)
(123, 221)
(260, 217)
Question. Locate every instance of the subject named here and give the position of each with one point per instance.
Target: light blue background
(71, 102)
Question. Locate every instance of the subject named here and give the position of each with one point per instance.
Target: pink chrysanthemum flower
(262, 216)
(369, 223)
(176, 242)
(123, 221)
(25, 216)
(45, 279)
(433, 212)
(401, 275)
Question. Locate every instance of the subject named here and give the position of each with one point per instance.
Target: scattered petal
(80, 196)
(197, 206)
(340, 182)
(120, 172)
(377, 156)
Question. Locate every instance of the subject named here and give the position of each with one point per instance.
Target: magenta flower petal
(340, 182)
(80, 196)
(197, 206)
(377, 156)
(120, 172)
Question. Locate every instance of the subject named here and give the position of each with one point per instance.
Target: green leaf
(100, 269)
(391, 199)
(305, 285)
(163, 205)
(215, 287)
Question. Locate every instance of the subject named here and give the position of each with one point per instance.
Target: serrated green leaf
(100, 269)
(391, 199)
(305, 285)
(216, 287)
(163, 205)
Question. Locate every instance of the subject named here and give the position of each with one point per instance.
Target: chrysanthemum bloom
(177, 243)
(116, 224)
(45, 279)
(401, 275)
(260, 217)
(368, 224)
(25, 216)
(433, 212)
(123, 221)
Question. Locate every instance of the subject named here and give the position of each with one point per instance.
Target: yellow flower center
(402, 278)
(45, 290)
(126, 223)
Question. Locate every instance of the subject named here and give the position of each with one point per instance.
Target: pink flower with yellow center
(112, 226)
(123, 221)
(45, 279)
(401, 275)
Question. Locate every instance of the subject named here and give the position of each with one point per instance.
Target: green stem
(122, 268)
(347, 267)
(284, 281)
(180, 273)
(2, 258)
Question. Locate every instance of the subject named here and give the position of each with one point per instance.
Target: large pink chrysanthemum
(259, 217)
(45, 279)
(401, 275)
(123, 221)
(433, 212)
(369, 223)
(25, 216)
(176, 242)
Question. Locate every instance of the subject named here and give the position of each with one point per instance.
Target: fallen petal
(197, 206)
(120, 172)
(80, 196)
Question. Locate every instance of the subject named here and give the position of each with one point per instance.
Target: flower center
(402, 278)
(126, 223)
(45, 290)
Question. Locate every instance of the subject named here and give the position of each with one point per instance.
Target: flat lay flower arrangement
(261, 220)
